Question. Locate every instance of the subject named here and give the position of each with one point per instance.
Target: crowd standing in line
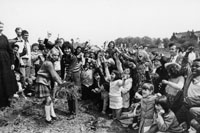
(160, 93)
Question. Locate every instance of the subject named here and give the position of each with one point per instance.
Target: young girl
(127, 84)
(86, 80)
(43, 87)
(166, 120)
(147, 106)
(100, 89)
(115, 98)
(37, 58)
(79, 54)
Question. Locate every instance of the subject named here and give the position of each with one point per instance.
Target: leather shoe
(54, 118)
(71, 117)
(49, 122)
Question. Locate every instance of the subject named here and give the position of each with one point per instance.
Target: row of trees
(156, 42)
(143, 41)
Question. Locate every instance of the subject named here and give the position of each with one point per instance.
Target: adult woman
(46, 74)
(111, 48)
(8, 84)
(175, 82)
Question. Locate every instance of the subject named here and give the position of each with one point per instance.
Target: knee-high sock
(52, 112)
(47, 112)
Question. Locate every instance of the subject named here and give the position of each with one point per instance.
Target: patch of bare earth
(27, 116)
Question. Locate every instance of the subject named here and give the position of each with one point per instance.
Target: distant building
(186, 36)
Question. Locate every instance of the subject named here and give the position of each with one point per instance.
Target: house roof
(182, 34)
(186, 34)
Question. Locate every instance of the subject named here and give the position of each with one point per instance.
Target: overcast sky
(100, 20)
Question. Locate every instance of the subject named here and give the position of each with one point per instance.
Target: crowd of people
(161, 93)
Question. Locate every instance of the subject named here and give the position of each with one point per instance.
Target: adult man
(174, 56)
(17, 40)
(18, 31)
(25, 67)
(191, 95)
(19, 50)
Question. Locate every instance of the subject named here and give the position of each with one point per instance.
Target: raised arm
(108, 77)
(48, 44)
(118, 63)
(60, 51)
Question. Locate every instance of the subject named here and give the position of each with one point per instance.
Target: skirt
(115, 102)
(42, 90)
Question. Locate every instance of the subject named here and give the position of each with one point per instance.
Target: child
(20, 89)
(29, 87)
(126, 89)
(115, 97)
(166, 120)
(86, 80)
(100, 86)
(147, 106)
(17, 57)
(126, 72)
(43, 88)
(69, 65)
(36, 57)
(134, 113)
